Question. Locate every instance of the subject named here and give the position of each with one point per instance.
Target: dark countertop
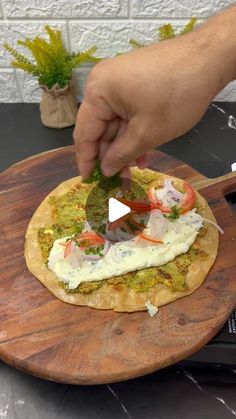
(177, 392)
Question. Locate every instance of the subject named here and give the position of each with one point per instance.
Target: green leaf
(175, 213)
(98, 176)
(96, 250)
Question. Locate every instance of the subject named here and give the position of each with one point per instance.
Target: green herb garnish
(98, 176)
(96, 250)
(102, 229)
(175, 213)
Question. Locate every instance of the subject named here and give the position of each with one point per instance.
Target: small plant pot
(58, 106)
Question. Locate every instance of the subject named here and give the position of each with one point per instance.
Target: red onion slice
(214, 224)
(168, 195)
(176, 194)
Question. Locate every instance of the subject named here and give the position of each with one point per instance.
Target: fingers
(111, 131)
(87, 131)
(123, 150)
(142, 161)
(125, 172)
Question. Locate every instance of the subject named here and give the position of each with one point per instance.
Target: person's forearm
(217, 41)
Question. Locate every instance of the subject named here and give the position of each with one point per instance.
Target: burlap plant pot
(58, 106)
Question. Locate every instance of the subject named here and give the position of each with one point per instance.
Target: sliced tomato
(156, 202)
(189, 199)
(91, 239)
(137, 206)
(187, 205)
(149, 238)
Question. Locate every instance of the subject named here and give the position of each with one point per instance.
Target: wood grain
(45, 337)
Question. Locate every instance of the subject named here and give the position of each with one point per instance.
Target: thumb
(125, 148)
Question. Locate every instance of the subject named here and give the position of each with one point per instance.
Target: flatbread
(119, 297)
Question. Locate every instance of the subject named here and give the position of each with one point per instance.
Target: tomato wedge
(158, 205)
(149, 238)
(189, 198)
(137, 206)
(187, 205)
(91, 239)
(68, 248)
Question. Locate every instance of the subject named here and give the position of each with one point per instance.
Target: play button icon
(108, 212)
(116, 209)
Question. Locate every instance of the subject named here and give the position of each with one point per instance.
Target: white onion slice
(114, 254)
(87, 227)
(107, 246)
(157, 224)
(75, 256)
(214, 224)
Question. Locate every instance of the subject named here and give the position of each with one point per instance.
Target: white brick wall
(108, 24)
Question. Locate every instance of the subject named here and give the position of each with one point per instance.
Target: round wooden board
(43, 336)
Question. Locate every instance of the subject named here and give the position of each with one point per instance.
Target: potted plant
(53, 66)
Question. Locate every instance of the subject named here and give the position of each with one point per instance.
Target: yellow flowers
(167, 31)
(52, 64)
(189, 26)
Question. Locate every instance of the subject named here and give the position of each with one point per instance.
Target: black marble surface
(177, 392)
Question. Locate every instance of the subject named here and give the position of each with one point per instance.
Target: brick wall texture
(108, 24)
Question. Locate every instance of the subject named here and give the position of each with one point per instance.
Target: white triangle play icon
(116, 210)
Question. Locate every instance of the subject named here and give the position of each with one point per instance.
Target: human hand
(137, 101)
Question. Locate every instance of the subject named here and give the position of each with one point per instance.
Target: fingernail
(108, 171)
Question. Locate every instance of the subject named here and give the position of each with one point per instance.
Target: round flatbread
(119, 297)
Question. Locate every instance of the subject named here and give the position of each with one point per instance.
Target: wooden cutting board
(43, 336)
